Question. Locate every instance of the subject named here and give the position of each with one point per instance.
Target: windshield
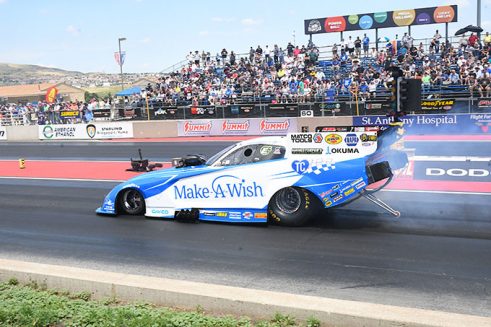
(217, 156)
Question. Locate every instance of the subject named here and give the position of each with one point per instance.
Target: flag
(120, 60)
(51, 94)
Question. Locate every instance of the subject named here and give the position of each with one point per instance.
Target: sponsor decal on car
(368, 138)
(349, 192)
(360, 185)
(337, 198)
(307, 151)
(266, 150)
(317, 138)
(260, 215)
(236, 215)
(333, 139)
(301, 138)
(327, 202)
(162, 211)
(222, 187)
(351, 139)
(247, 215)
(357, 181)
(300, 167)
(334, 195)
(213, 213)
(330, 150)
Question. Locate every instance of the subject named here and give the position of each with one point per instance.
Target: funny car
(282, 179)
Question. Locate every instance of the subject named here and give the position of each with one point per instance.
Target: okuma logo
(91, 130)
(48, 131)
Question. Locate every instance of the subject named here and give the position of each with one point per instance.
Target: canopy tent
(130, 91)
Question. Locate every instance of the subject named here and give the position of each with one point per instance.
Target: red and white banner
(120, 58)
(51, 93)
(252, 126)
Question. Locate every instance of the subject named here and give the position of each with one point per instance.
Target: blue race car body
(280, 178)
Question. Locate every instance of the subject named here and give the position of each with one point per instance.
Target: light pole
(479, 16)
(121, 61)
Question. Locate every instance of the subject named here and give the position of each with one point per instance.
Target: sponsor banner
(484, 103)
(101, 113)
(200, 112)
(465, 170)
(335, 147)
(444, 124)
(378, 105)
(283, 110)
(85, 131)
(253, 126)
(3, 133)
(69, 113)
(163, 113)
(397, 18)
(328, 108)
(445, 104)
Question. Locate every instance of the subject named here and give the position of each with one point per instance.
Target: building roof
(34, 89)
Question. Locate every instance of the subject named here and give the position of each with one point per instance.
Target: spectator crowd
(45, 113)
(296, 74)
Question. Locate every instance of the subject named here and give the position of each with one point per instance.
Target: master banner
(396, 18)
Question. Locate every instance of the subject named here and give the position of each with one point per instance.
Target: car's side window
(253, 153)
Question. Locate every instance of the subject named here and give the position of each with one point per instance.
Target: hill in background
(15, 74)
(11, 74)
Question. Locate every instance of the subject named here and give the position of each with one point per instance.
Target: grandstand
(306, 75)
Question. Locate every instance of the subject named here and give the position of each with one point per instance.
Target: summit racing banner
(86, 131)
(253, 126)
(3, 133)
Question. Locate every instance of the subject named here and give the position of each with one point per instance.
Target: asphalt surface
(454, 148)
(106, 150)
(436, 256)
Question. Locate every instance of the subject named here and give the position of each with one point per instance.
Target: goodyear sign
(445, 104)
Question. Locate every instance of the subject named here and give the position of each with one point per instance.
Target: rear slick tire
(292, 206)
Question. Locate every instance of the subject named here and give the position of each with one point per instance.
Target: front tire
(292, 206)
(131, 202)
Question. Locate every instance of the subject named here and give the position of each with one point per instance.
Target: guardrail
(271, 109)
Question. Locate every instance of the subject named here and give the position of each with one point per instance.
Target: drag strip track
(359, 253)
(436, 256)
(106, 150)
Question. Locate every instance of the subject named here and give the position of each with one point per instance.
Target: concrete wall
(22, 133)
(152, 129)
(313, 122)
(168, 128)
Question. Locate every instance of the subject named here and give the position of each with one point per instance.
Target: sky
(83, 35)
